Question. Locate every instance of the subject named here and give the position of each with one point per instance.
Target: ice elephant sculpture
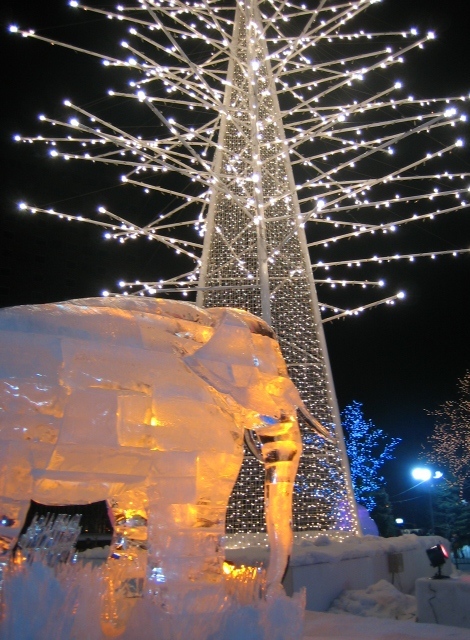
(145, 403)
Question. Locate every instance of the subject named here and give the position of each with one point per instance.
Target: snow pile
(380, 600)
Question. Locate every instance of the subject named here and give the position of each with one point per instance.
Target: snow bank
(381, 600)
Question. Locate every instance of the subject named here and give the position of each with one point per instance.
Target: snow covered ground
(330, 626)
(379, 612)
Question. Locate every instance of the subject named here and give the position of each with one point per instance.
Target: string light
(288, 161)
(450, 439)
(368, 448)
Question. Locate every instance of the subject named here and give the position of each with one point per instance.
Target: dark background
(398, 361)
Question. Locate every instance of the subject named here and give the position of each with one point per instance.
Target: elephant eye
(264, 330)
(269, 419)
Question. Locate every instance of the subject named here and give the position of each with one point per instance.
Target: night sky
(398, 361)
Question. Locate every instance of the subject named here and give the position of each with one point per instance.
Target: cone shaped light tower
(255, 257)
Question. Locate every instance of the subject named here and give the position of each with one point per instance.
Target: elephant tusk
(253, 443)
(315, 424)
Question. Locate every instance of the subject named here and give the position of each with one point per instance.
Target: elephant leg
(172, 504)
(280, 448)
(187, 504)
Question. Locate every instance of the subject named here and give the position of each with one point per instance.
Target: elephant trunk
(280, 449)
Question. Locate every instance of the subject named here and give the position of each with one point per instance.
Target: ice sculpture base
(70, 603)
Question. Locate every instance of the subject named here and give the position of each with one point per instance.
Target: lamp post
(424, 474)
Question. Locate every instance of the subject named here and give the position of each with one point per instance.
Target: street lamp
(423, 474)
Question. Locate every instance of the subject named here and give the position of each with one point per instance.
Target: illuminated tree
(382, 514)
(368, 449)
(448, 508)
(450, 439)
(462, 525)
(282, 157)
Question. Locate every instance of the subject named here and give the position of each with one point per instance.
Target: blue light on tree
(368, 448)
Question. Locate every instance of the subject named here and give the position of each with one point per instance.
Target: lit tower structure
(255, 257)
(273, 130)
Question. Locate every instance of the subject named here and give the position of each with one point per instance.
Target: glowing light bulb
(422, 474)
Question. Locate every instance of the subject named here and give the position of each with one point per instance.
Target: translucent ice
(74, 602)
(144, 403)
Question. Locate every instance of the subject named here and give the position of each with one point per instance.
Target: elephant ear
(227, 360)
(230, 362)
(239, 366)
